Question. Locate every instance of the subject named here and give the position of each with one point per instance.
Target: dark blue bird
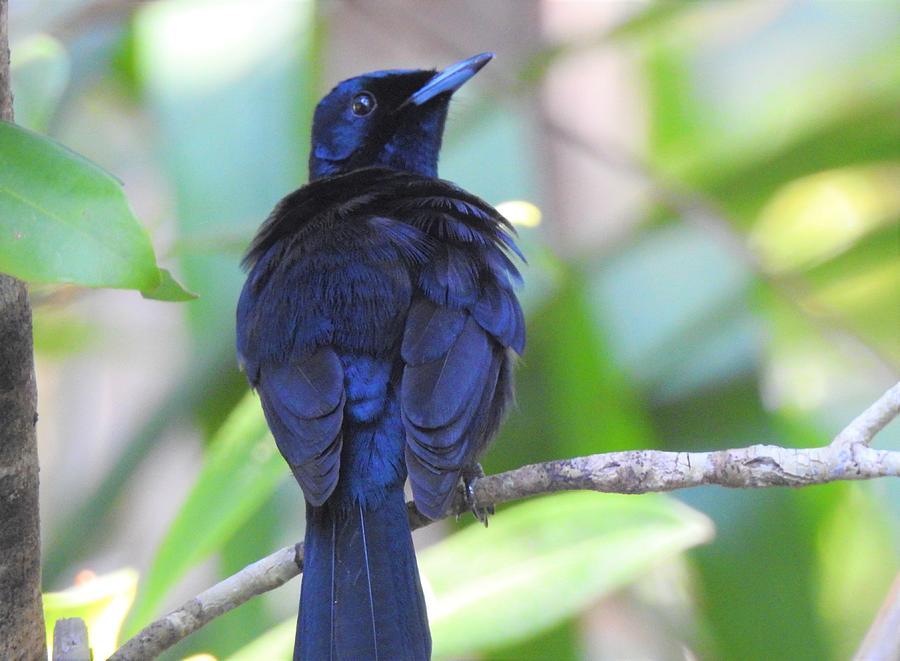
(378, 324)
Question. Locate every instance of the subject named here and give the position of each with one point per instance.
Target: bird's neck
(411, 155)
(417, 160)
(415, 149)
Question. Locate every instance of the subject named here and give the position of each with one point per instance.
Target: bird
(379, 325)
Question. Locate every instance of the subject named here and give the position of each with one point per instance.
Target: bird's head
(392, 118)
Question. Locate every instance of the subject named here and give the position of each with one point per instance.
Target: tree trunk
(21, 614)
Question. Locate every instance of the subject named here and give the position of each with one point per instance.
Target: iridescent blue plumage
(377, 324)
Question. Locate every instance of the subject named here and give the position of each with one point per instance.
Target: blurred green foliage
(241, 471)
(753, 300)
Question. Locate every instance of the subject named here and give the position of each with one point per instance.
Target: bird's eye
(363, 104)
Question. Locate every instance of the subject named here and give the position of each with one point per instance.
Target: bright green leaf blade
(543, 561)
(241, 470)
(169, 289)
(102, 602)
(63, 219)
(815, 219)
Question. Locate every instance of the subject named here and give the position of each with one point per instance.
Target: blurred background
(713, 196)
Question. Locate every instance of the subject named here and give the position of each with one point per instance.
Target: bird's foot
(471, 475)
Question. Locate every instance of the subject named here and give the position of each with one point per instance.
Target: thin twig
(848, 457)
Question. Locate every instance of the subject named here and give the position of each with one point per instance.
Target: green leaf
(168, 289)
(241, 470)
(871, 251)
(63, 219)
(867, 303)
(862, 136)
(543, 561)
(101, 601)
(815, 219)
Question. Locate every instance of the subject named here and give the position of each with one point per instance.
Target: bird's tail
(361, 598)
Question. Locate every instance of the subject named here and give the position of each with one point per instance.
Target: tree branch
(21, 614)
(847, 457)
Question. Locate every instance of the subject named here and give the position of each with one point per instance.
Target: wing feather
(436, 457)
(429, 332)
(436, 393)
(445, 405)
(303, 401)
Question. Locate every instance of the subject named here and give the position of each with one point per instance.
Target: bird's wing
(304, 405)
(464, 319)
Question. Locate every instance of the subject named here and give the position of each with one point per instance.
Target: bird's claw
(470, 476)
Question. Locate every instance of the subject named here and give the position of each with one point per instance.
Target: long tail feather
(365, 549)
(361, 597)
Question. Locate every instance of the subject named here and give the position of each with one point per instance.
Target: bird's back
(377, 325)
(363, 282)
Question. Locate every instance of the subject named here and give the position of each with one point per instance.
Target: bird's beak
(450, 79)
